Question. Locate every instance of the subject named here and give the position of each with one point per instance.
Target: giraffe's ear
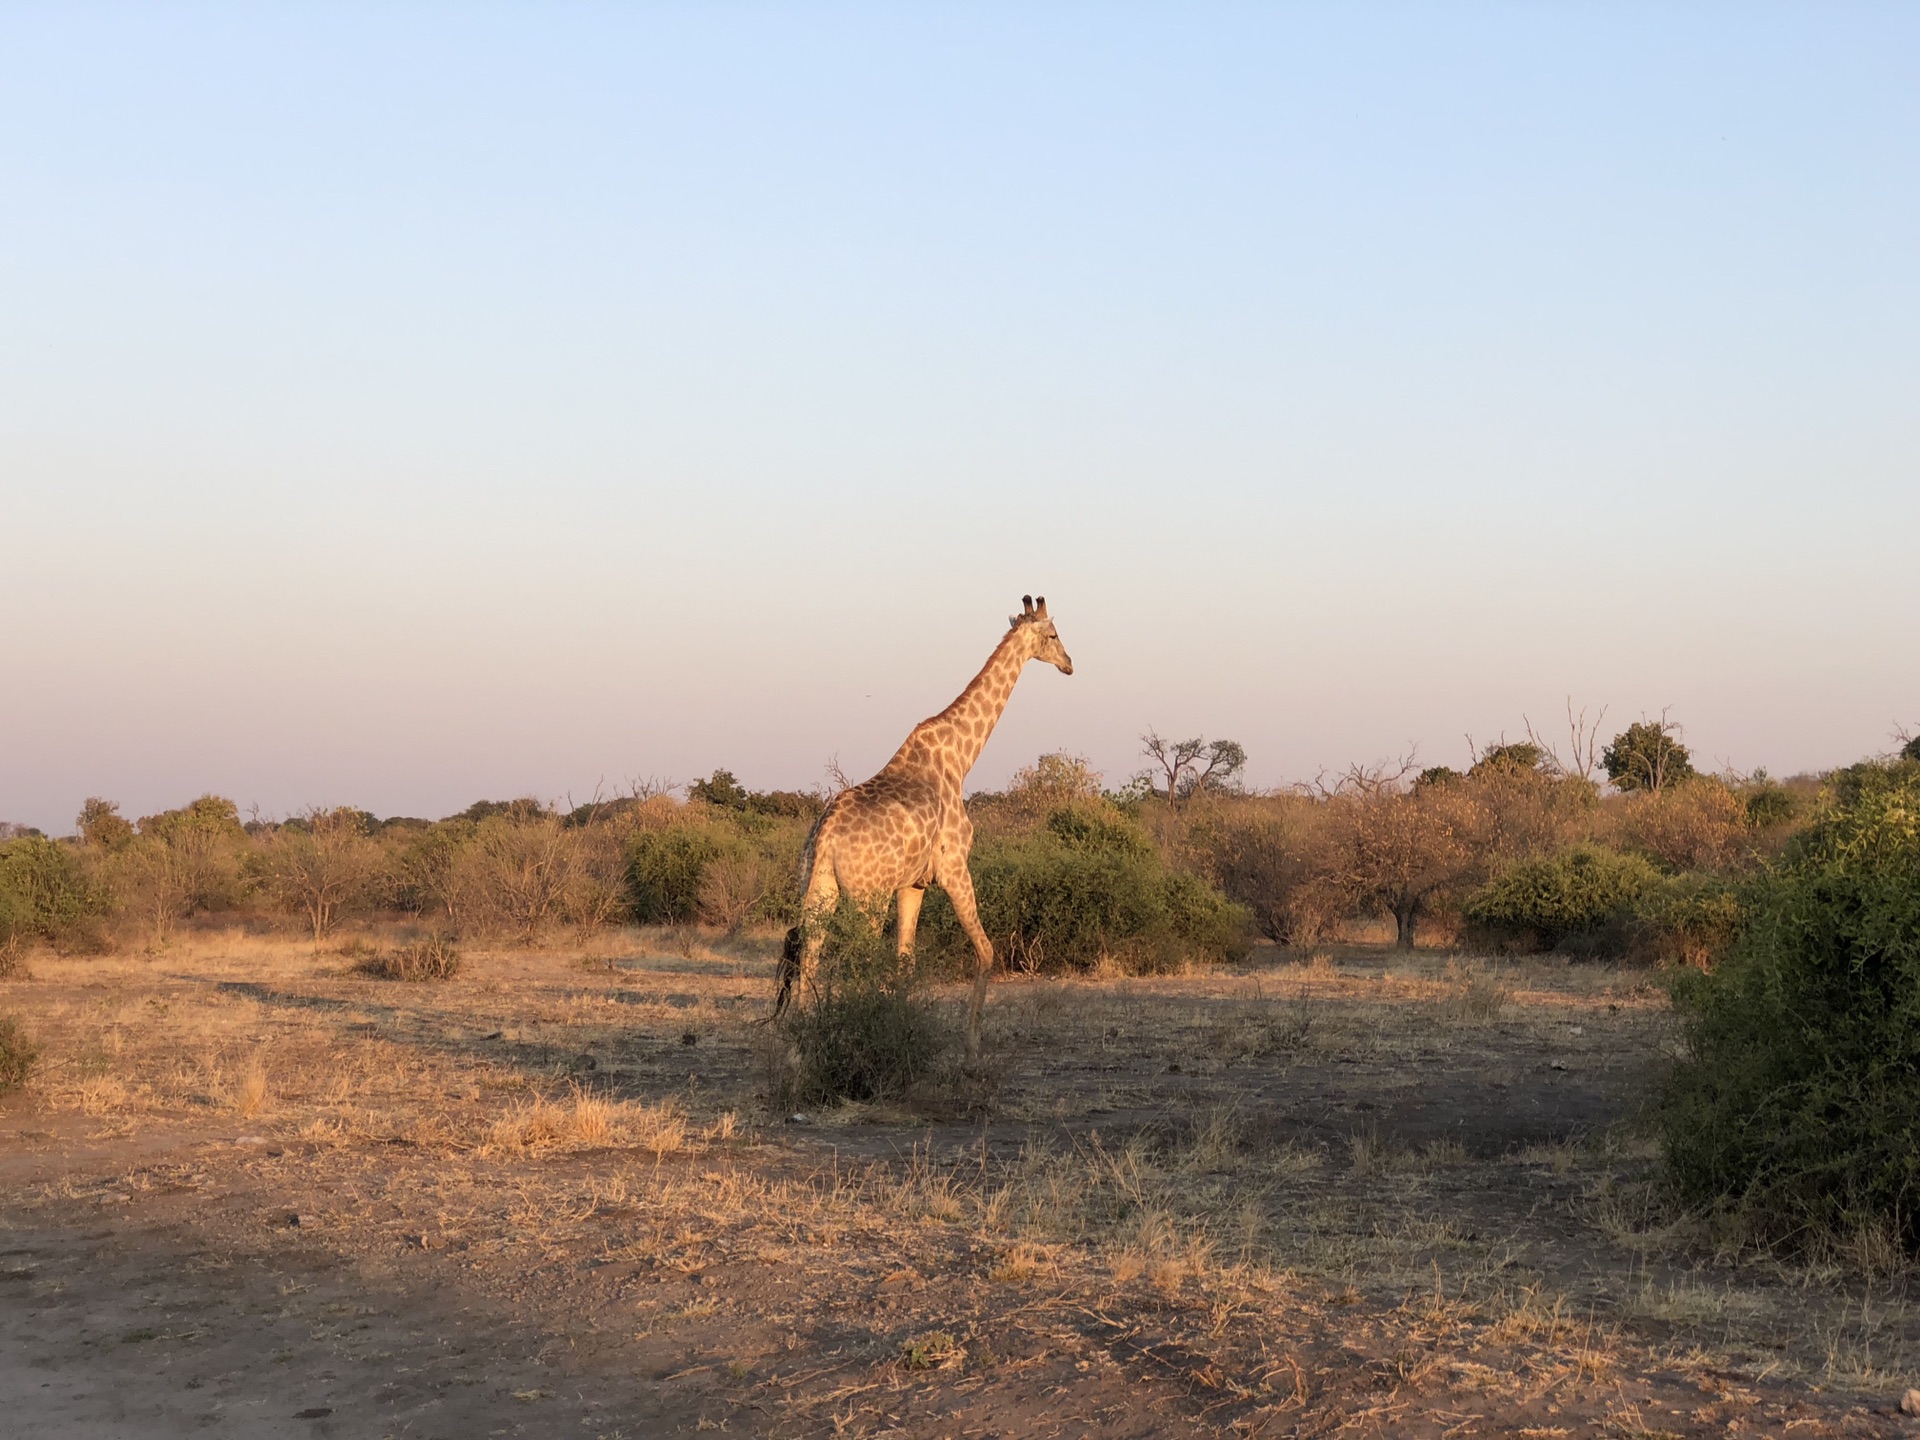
(1040, 607)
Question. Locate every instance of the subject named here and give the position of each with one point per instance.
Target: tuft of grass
(583, 1120)
(1478, 995)
(252, 1095)
(434, 958)
(17, 1055)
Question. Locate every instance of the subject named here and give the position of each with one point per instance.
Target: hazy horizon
(406, 409)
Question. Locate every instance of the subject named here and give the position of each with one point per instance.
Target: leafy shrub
(861, 1034)
(433, 958)
(1798, 1100)
(1583, 895)
(17, 1055)
(46, 894)
(1685, 920)
(1768, 804)
(1089, 885)
(665, 869)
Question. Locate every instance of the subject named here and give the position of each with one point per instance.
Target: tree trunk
(1404, 917)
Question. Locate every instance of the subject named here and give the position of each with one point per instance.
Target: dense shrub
(1698, 824)
(1582, 897)
(1275, 859)
(46, 894)
(433, 958)
(17, 1055)
(859, 1033)
(1685, 920)
(1087, 886)
(665, 869)
(1798, 1101)
(183, 862)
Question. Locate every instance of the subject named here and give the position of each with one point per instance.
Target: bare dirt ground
(250, 1192)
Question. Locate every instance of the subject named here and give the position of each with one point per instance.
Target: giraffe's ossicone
(907, 827)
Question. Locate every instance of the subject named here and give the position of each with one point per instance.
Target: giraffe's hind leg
(909, 898)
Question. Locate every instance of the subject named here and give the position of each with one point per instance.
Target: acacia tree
(1192, 766)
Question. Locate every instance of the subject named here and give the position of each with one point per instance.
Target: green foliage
(1582, 895)
(17, 1055)
(719, 789)
(522, 809)
(861, 1034)
(1085, 886)
(1798, 1102)
(665, 868)
(1519, 755)
(722, 791)
(45, 893)
(1686, 919)
(1646, 756)
(1768, 804)
(1911, 750)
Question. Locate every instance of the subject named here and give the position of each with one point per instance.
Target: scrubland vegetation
(1565, 1097)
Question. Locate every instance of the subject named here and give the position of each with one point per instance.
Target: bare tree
(1583, 744)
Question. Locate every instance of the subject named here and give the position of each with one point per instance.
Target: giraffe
(907, 827)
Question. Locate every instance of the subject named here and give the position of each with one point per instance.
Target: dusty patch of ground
(253, 1193)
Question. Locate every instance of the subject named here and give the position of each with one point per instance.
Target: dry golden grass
(547, 1107)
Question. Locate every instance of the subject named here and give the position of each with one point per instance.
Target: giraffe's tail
(789, 970)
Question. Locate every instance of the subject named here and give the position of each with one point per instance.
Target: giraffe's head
(1035, 627)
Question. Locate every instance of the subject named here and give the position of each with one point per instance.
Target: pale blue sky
(400, 406)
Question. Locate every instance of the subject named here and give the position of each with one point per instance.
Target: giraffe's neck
(959, 733)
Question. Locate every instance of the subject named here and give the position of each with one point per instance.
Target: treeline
(1634, 855)
(1520, 852)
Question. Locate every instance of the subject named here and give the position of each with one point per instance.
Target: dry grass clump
(583, 1120)
(1477, 994)
(433, 958)
(252, 1093)
(17, 1055)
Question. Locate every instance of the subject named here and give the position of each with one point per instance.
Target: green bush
(17, 1054)
(1582, 898)
(1686, 919)
(665, 867)
(860, 1033)
(1088, 885)
(1798, 1100)
(45, 894)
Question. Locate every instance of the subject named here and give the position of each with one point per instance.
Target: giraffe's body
(907, 827)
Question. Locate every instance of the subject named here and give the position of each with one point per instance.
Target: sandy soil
(250, 1193)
